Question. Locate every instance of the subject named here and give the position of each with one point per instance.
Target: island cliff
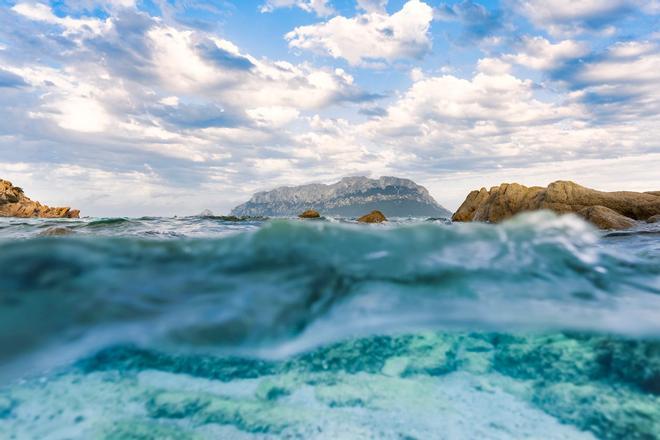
(350, 197)
(607, 210)
(14, 203)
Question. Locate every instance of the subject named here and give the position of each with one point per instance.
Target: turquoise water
(153, 328)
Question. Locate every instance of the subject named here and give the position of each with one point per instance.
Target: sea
(540, 327)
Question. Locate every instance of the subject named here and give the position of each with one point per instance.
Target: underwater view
(540, 327)
(329, 219)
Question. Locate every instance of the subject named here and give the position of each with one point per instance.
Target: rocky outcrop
(14, 203)
(497, 204)
(372, 217)
(310, 213)
(506, 200)
(605, 218)
(350, 197)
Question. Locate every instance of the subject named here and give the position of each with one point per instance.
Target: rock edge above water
(606, 210)
(372, 217)
(14, 203)
(310, 213)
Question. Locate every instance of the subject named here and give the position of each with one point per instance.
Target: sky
(169, 107)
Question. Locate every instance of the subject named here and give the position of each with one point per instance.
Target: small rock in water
(654, 219)
(605, 218)
(310, 213)
(206, 213)
(373, 217)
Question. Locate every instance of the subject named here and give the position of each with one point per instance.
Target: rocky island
(606, 210)
(350, 197)
(14, 203)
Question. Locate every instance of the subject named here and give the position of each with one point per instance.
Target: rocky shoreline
(14, 203)
(606, 210)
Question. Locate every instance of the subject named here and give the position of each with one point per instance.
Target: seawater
(208, 328)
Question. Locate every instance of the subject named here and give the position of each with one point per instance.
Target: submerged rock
(653, 219)
(56, 231)
(310, 213)
(372, 217)
(14, 203)
(502, 202)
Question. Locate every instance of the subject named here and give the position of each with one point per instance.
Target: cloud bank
(124, 110)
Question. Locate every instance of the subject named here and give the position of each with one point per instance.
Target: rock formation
(607, 210)
(653, 219)
(14, 203)
(372, 217)
(310, 213)
(350, 197)
(605, 218)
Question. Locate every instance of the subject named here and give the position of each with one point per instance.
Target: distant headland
(350, 197)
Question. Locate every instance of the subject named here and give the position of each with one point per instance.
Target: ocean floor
(427, 385)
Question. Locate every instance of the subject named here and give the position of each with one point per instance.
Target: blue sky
(164, 107)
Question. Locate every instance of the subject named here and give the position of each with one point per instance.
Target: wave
(291, 285)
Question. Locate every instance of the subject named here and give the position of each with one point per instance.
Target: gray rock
(350, 197)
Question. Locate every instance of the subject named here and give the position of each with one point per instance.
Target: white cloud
(540, 54)
(501, 98)
(274, 116)
(159, 118)
(632, 49)
(257, 82)
(170, 100)
(622, 69)
(170, 46)
(319, 7)
(187, 103)
(493, 66)
(561, 17)
(369, 38)
(81, 114)
(372, 5)
(43, 13)
(623, 84)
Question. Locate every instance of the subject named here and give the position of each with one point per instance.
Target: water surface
(541, 327)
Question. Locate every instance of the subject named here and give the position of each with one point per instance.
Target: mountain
(350, 197)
